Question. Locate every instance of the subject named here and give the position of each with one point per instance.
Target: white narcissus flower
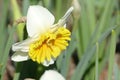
(45, 39)
(52, 75)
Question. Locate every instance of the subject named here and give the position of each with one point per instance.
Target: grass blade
(7, 49)
(105, 18)
(96, 62)
(3, 16)
(17, 15)
(112, 54)
(83, 64)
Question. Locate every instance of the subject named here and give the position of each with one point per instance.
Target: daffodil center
(49, 45)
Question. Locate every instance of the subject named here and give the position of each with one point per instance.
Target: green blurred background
(92, 54)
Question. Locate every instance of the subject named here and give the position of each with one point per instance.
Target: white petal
(47, 63)
(20, 56)
(22, 46)
(38, 20)
(64, 26)
(51, 75)
(64, 19)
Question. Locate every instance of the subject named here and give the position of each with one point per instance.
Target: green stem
(112, 54)
(96, 62)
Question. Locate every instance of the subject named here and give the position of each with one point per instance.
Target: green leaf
(7, 49)
(88, 55)
(104, 19)
(116, 72)
(96, 62)
(3, 29)
(112, 54)
(17, 15)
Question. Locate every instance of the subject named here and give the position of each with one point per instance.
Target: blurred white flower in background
(52, 75)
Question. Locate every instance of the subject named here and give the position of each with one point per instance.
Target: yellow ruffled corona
(49, 45)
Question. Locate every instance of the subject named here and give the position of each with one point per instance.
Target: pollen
(49, 45)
